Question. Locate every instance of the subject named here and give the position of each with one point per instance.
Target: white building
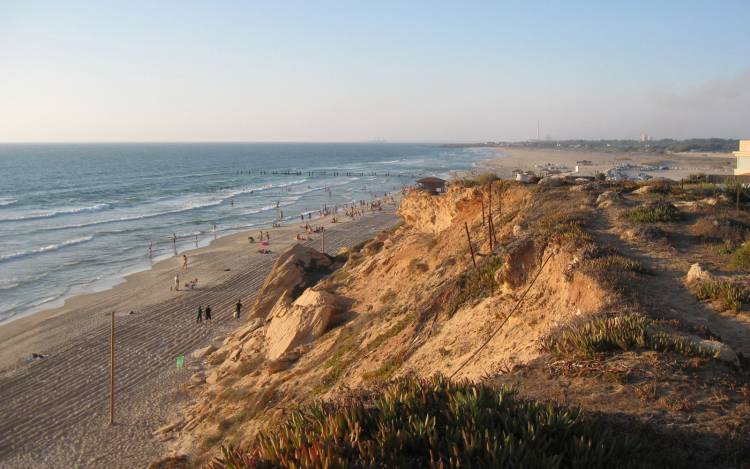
(743, 158)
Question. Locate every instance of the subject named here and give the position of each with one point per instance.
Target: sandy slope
(53, 412)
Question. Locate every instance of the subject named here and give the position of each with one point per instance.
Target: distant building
(743, 158)
(432, 185)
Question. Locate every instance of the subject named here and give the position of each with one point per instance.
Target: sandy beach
(680, 165)
(53, 411)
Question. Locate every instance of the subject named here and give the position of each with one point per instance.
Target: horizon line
(381, 142)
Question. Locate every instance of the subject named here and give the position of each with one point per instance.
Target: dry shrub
(718, 229)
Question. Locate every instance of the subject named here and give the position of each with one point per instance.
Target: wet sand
(53, 412)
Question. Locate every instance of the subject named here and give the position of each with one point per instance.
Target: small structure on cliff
(432, 185)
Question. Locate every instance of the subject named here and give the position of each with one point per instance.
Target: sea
(78, 218)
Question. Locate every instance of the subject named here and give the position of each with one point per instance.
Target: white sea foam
(5, 201)
(54, 213)
(165, 207)
(48, 248)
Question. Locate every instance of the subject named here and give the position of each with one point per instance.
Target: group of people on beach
(204, 314)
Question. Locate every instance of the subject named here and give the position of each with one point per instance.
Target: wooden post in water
(112, 372)
(471, 248)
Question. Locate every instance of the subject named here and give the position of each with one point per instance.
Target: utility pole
(112, 372)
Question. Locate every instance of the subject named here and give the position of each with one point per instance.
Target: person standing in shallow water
(207, 313)
(199, 317)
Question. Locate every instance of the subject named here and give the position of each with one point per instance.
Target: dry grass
(615, 262)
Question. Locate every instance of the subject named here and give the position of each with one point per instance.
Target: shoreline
(52, 411)
(111, 281)
(18, 325)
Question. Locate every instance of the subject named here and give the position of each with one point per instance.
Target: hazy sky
(355, 70)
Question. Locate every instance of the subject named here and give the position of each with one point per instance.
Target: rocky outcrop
(296, 269)
(518, 260)
(299, 322)
(698, 274)
(204, 352)
(608, 199)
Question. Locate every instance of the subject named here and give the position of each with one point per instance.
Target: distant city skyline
(397, 71)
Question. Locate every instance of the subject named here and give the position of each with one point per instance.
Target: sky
(313, 71)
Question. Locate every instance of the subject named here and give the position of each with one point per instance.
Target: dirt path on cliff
(53, 411)
(664, 294)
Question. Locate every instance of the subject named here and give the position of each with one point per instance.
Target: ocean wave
(55, 213)
(51, 247)
(198, 202)
(265, 187)
(6, 201)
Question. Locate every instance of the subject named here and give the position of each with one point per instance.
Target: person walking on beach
(184, 262)
(177, 282)
(207, 313)
(199, 317)
(237, 310)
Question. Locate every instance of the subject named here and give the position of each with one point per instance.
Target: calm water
(75, 218)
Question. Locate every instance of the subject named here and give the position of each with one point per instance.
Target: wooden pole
(112, 372)
(471, 248)
(489, 217)
(323, 241)
(482, 202)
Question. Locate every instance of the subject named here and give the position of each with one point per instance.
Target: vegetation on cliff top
(437, 423)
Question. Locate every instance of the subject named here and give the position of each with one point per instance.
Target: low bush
(659, 186)
(437, 423)
(655, 212)
(609, 333)
(482, 179)
(741, 258)
(696, 178)
(615, 262)
(729, 295)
